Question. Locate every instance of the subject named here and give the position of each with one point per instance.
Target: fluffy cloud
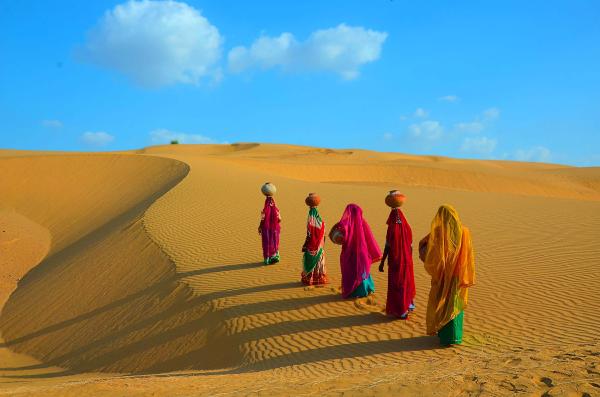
(491, 114)
(480, 123)
(99, 138)
(421, 113)
(472, 127)
(163, 136)
(448, 98)
(388, 136)
(52, 123)
(342, 50)
(479, 145)
(429, 130)
(155, 43)
(538, 153)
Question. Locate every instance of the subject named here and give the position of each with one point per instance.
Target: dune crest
(105, 298)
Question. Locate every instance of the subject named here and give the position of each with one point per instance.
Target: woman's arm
(423, 247)
(305, 245)
(384, 257)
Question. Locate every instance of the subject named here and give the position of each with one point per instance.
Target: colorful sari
(359, 251)
(313, 261)
(401, 277)
(269, 231)
(450, 261)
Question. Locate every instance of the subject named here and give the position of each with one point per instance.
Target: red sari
(401, 277)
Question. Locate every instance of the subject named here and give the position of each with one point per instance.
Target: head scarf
(450, 262)
(271, 215)
(359, 249)
(401, 278)
(315, 229)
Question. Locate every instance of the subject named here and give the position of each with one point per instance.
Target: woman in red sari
(313, 260)
(398, 251)
(270, 227)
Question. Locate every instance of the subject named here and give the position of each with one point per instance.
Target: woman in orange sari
(447, 252)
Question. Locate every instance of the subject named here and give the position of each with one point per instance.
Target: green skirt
(451, 333)
(364, 289)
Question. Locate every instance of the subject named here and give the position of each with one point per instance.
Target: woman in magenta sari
(359, 252)
(270, 227)
(398, 251)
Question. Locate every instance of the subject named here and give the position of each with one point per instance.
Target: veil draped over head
(359, 249)
(450, 262)
(271, 215)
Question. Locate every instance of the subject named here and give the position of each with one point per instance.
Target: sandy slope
(134, 285)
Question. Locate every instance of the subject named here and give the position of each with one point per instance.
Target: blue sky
(494, 79)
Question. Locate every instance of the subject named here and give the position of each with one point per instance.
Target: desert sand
(139, 273)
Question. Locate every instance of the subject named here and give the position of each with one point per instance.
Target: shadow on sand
(195, 318)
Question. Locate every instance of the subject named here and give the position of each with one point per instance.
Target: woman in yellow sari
(447, 252)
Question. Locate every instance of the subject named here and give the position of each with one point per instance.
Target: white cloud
(429, 130)
(342, 50)
(388, 136)
(491, 114)
(421, 113)
(449, 98)
(537, 153)
(164, 136)
(480, 123)
(479, 145)
(472, 127)
(155, 43)
(99, 138)
(52, 123)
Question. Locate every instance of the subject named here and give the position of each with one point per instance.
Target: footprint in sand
(547, 381)
(369, 303)
(513, 361)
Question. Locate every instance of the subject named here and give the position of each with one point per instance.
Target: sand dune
(148, 262)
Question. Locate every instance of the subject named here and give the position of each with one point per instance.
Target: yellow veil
(449, 261)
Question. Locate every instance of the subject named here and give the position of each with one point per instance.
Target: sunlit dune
(139, 272)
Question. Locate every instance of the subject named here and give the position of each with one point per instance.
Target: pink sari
(270, 229)
(359, 249)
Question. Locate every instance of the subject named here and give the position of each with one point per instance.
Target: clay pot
(395, 199)
(268, 189)
(337, 235)
(313, 200)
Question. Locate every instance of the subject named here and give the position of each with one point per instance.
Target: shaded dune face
(105, 298)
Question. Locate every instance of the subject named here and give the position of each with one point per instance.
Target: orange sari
(450, 261)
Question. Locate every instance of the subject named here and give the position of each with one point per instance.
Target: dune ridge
(86, 305)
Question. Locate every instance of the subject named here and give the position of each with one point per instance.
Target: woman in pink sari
(269, 229)
(359, 252)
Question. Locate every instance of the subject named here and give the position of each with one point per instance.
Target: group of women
(446, 252)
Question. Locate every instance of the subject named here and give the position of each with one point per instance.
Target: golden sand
(140, 273)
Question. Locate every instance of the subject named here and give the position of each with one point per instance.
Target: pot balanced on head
(395, 199)
(268, 189)
(313, 200)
